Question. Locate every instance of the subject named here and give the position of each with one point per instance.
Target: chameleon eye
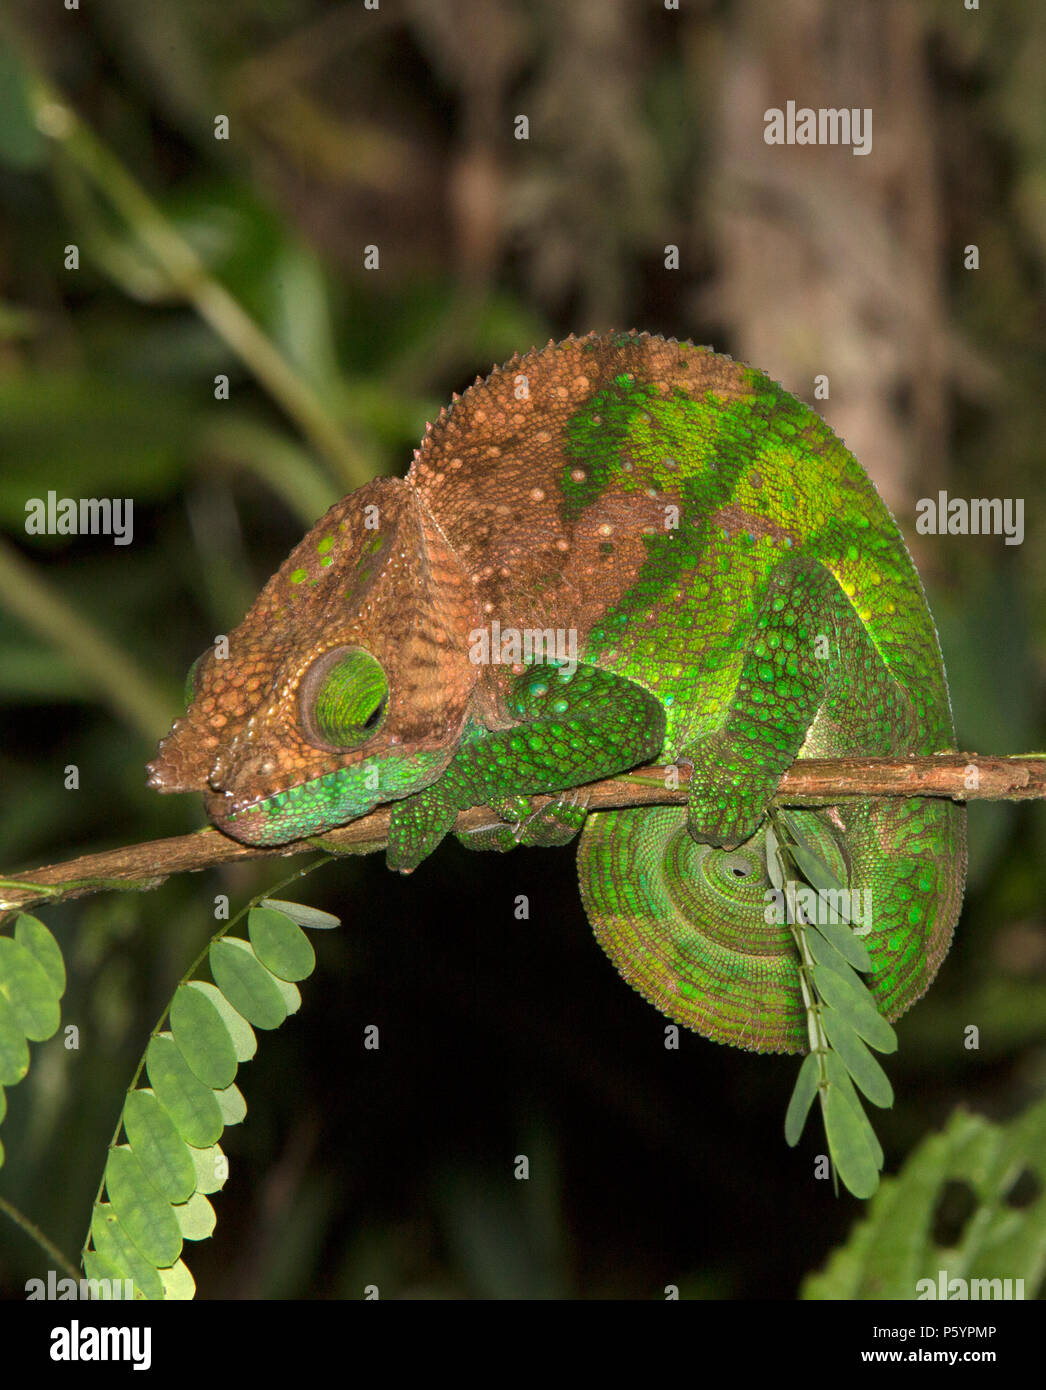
(343, 697)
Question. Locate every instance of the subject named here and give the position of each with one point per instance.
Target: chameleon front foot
(417, 825)
(556, 823)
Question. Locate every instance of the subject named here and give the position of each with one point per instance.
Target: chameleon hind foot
(725, 808)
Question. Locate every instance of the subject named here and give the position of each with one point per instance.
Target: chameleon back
(646, 494)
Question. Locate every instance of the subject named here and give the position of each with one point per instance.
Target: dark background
(394, 127)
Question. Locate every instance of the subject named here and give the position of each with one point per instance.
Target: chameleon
(615, 550)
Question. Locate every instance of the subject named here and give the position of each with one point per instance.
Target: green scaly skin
(739, 596)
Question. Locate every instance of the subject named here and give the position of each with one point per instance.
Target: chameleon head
(346, 685)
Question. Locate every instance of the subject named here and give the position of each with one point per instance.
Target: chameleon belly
(736, 595)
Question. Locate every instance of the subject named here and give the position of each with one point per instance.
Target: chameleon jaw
(323, 802)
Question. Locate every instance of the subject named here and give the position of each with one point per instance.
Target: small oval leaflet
(117, 1249)
(856, 1058)
(802, 1098)
(190, 1103)
(145, 1215)
(280, 944)
(161, 1150)
(246, 983)
(28, 990)
(244, 1041)
(311, 917)
(202, 1038)
(851, 1139)
(31, 933)
(856, 1007)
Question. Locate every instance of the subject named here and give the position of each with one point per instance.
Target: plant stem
(127, 691)
(186, 273)
(34, 1232)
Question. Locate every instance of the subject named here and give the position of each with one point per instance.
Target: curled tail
(693, 928)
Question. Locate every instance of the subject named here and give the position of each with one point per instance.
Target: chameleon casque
(740, 597)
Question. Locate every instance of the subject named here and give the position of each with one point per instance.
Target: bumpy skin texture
(740, 597)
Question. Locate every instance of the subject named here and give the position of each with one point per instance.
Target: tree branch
(809, 782)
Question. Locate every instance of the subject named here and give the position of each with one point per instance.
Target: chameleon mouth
(290, 814)
(182, 761)
(321, 803)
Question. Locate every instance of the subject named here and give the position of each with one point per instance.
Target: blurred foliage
(969, 1202)
(394, 128)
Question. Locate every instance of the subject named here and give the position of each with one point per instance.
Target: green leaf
(802, 1098)
(232, 1105)
(157, 1183)
(856, 1007)
(118, 1250)
(163, 1154)
(859, 1062)
(280, 944)
(190, 1103)
(814, 869)
(774, 867)
(825, 953)
(246, 983)
(144, 1214)
(289, 993)
(14, 1050)
(202, 1037)
(35, 937)
(808, 861)
(196, 1218)
(178, 1283)
(850, 947)
(212, 1168)
(310, 917)
(851, 1141)
(25, 985)
(244, 1041)
(97, 1267)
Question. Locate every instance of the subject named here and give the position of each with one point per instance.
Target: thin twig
(809, 782)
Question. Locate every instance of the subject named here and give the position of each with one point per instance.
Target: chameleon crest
(614, 550)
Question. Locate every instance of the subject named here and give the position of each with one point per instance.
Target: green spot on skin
(326, 544)
(297, 576)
